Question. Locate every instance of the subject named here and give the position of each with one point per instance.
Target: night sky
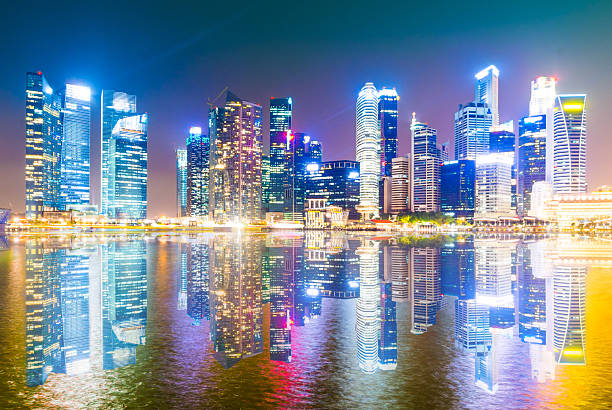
(175, 55)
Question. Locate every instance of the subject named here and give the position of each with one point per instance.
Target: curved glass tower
(368, 146)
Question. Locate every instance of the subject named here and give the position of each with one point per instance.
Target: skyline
(324, 101)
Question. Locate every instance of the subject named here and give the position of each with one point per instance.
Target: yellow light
(572, 107)
(572, 353)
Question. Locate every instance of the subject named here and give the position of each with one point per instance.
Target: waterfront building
(75, 165)
(425, 190)
(573, 210)
(387, 111)
(458, 188)
(472, 124)
(43, 146)
(298, 161)
(569, 144)
(400, 184)
(126, 190)
(235, 161)
(494, 185)
(487, 89)
(338, 182)
(265, 183)
(198, 171)
(281, 113)
(181, 182)
(543, 94)
(503, 139)
(368, 149)
(115, 106)
(531, 158)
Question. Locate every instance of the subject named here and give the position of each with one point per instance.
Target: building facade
(338, 183)
(387, 111)
(400, 184)
(281, 112)
(198, 153)
(235, 161)
(493, 185)
(569, 144)
(181, 182)
(531, 158)
(458, 188)
(472, 124)
(425, 192)
(368, 148)
(487, 90)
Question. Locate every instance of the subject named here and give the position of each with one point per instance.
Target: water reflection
(86, 302)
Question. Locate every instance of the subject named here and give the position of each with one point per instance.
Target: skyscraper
(43, 146)
(472, 124)
(368, 148)
(569, 144)
(387, 111)
(76, 121)
(198, 151)
(126, 186)
(338, 183)
(494, 185)
(400, 184)
(531, 158)
(297, 160)
(280, 122)
(115, 105)
(265, 183)
(425, 195)
(486, 90)
(458, 188)
(235, 160)
(181, 182)
(503, 139)
(543, 94)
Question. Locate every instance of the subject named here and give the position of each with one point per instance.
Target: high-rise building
(472, 124)
(115, 105)
(387, 110)
(531, 158)
(338, 183)
(265, 182)
(235, 161)
(486, 90)
(198, 153)
(400, 184)
(181, 182)
(444, 152)
(126, 187)
(43, 146)
(503, 139)
(458, 188)
(543, 94)
(280, 122)
(494, 185)
(425, 192)
(569, 144)
(76, 119)
(298, 161)
(368, 148)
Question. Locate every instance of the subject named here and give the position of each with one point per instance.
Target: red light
(39, 72)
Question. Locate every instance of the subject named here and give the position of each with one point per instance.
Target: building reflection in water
(86, 306)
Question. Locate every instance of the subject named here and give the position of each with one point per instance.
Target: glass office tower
(486, 90)
(126, 187)
(338, 183)
(531, 158)
(43, 146)
(198, 154)
(368, 146)
(115, 106)
(280, 123)
(387, 111)
(425, 195)
(472, 124)
(458, 188)
(76, 122)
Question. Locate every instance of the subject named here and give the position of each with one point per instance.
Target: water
(318, 319)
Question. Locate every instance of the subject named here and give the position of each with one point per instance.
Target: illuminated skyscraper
(486, 90)
(472, 124)
(198, 153)
(280, 123)
(569, 144)
(115, 106)
(368, 148)
(458, 188)
(387, 110)
(126, 188)
(543, 94)
(425, 195)
(503, 139)
(76, 118)
(43, 146)
(401, 167)
(338, 183)
(298, 160)
(494, 185)
(531, 158)
(181, 182)
(235, 161)
(265, 183)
